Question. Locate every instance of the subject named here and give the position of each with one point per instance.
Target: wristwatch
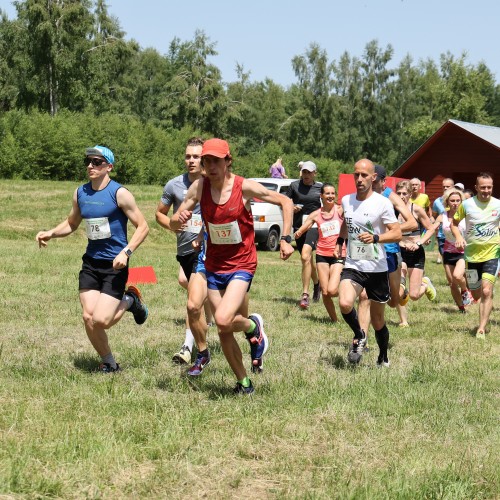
(127, 251)
(286, 238)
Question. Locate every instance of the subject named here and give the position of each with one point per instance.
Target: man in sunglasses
(106, 207)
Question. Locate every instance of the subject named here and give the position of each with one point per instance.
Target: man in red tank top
(231, 257)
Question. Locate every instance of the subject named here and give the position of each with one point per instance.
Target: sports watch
(286, 238)
(127, 251)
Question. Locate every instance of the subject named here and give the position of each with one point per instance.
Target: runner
(369, 220)
(419, 198)
(328, 263)
(453, 258)
(482, 216)
(173, 194)
(437, 209)
(397, 284)
(412, 250)
(231, 256)
(305, 194)
(106, 207)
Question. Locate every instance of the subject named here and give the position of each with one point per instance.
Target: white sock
(189, 340)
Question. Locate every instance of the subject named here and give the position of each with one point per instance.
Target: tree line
(69, 78)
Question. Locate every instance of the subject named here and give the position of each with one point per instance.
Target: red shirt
(230, 244)
(331, 226)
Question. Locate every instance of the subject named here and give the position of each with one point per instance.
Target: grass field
(427, 427)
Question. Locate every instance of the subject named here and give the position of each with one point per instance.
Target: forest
(69, 78)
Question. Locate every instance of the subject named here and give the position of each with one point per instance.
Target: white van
(268, 218)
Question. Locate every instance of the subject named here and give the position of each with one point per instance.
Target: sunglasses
(96, 162)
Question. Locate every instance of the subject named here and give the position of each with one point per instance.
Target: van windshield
(271, 187)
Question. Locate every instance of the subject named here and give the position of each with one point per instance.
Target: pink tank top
(328, 229)
(449, 242)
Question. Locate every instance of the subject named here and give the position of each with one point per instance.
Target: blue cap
(101, 151)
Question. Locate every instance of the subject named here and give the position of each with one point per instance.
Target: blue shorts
(393, 261)
(200, 264)
(220, 281)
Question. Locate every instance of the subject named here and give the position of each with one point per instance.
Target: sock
(462, 308)
(109, 359)
(351, 319)
(245, 382)
(204, 353)
(382, 337)
(189, 340)
(253, 326)
(129, 301)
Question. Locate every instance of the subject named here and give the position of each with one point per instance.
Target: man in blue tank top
(105, 206)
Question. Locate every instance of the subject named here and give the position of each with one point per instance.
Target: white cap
(459, 185)
(309, 166)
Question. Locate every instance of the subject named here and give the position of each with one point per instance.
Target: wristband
(375, 238)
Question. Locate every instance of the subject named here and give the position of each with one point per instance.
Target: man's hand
(120, 261)
(42, 237)
(285, 250)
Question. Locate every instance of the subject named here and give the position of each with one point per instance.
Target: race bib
(330, 228)
(472, 277)
(361, 251)
(225, 234)
(194, 224)
(98, 229)
(304, 218)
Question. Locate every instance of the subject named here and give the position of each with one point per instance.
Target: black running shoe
(138, 309)
(107, 368)
(357, 349)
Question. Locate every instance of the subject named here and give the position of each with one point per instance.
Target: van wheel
(273, 240)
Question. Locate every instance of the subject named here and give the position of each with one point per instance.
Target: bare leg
(486, 304)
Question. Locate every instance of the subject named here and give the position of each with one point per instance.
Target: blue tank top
(105, 222)
(389, 247)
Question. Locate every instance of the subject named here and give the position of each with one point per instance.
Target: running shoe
(430, 291)
(316, 292)
(480, 335)
(199, 364)
(357, 349)
(258, 343)
(107, 368)
(304, 301)
(383, 363)
(466, 298)
(403, 300)
(138, 309)
(239, 389)
(183, 357)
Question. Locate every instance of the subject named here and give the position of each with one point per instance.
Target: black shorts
(99, 275)
(330, 260)
(452, 258)
(487, 270)
(414, 260)
(309, 238)
(188, 263)
(375, 284)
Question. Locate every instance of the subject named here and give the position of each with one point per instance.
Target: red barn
(459, 150)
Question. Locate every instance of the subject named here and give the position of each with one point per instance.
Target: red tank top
(230, 244)
(329, 229)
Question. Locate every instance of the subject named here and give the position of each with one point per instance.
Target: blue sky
(264, 36)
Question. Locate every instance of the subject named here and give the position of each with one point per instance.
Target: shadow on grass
(287, 300)
(85, 363)
(324, 320)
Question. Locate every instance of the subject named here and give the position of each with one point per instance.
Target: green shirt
(481, 228)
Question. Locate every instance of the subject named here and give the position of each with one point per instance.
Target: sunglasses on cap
(96, 162)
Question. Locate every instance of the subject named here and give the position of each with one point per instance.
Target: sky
(264, 35)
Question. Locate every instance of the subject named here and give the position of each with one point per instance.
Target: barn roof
(487, 133)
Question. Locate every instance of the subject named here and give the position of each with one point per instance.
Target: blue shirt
(438, 207)
(390, 247)
(106, 224)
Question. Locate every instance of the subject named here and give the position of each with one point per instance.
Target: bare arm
(424, 221)
(185, 210)
(410, 223)
(459, 239)
(69, 225)
(308, 223)
(391, 235)
(253, 189)
(126, 202)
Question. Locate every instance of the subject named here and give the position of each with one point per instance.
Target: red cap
(215, 147)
